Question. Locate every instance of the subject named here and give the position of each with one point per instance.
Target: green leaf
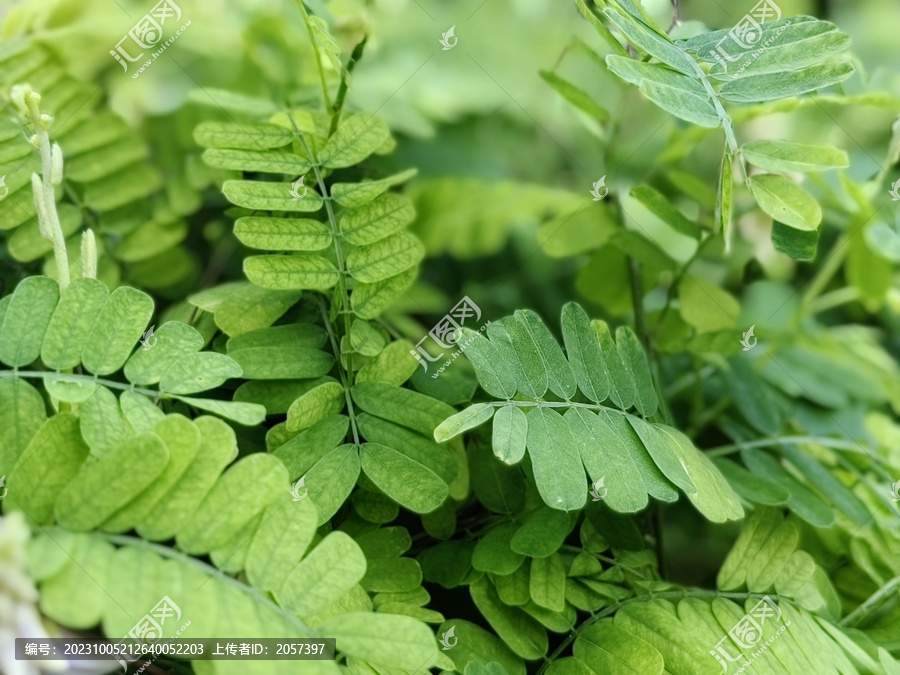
(682, 103)
(44, 468)
(402, 406)
(393, 365)
(241, 136)
(509, 434)
(543, 532)
(621, 391)
(773, 86)
(725, 197)
(94, 495)
(315, 405)
(376, 220)
(635, 360)
(627, 442)
(584, 353)
(751, 487)
(173, 340)
(242, 493)
(665, 453)
(370, 300)
(607, 648)
(269, 196)
(493, 367)
(531, 373)
(558, 471)
(385, 258)
(493, 553)
(660, 207)
(22, 413)
(365, 338)
(805, 503)
(575, 95)
(300, 452)
(782, 156)
(799, 244)
(560, 378)
(547, 582)
(476, 646)
(290, 272)
(647, 40)
(384, 640)
(280, 357)
(403, 477)
(499, 487)
(139, 411)
(102, 424)
(275, 161)
(287, 530)
(786, 202)
(117, 328)
(705, 305)
(202, 371)
(357, 137)
(332, 568)
(525, 636)
(282, 234)
(25, 321)
(605, 456)
(352, 195)
(247, 414)
(828, 484)
(122, 187)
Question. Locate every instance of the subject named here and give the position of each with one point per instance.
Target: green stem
(771, 442)
(871, 603)
(823, 277)
(85, 379)
(834, 299)
(345, 377)
(345, 82)
(315, 47)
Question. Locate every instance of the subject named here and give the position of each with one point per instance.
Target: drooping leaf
(116, 330)
(558, 471)
(72, 322)
(510, 431)
(783, 156)
(26, 319)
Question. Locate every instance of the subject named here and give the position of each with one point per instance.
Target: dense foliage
(310, 368)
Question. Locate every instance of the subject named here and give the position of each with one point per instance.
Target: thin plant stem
(345, 83)
(315, 46)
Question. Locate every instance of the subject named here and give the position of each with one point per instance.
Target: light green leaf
(140, 412)
(352, 195)
(376, 220)
(274, 161)
(197, 372)
(269, 196)
(290, 272)
(402, 406)
(102, 424)
(94, 494)
(547, 582)
(493, 367)
(660, 207)
(365, 338)
(635, 360)
(118, 327)
(26, 319)
(493, 553)
(558, 471)
(786, 201)
(724, 201)
(281, 360)
(370, 300)
(52, 459)
(783, 156)
(773, 86)
(705, 305)
(173, 340)
(242, 493)
(332, 568)
(607, 648)
(828, 484)
(393, 365)
(525, 636)
(473, 416)
(242, 136)
(385, 258)
(665, 453)
(224, 99)
(22, 412)
(72, 322)
(575, 95)
(509, 434)
(799, 244)
(583, 349)
(122, 187)
(510, 335)
(384, 640)
(287, 529)
(625, 441)
(282, 234)
(476, 646)
(357, 137)
(247, 414)
(646, 39)
(315, 405)
(403, 477)
(751, 487)
(681, 103)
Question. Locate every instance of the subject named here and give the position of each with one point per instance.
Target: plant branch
(315, 47)
(345, 82)
(858, 614)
